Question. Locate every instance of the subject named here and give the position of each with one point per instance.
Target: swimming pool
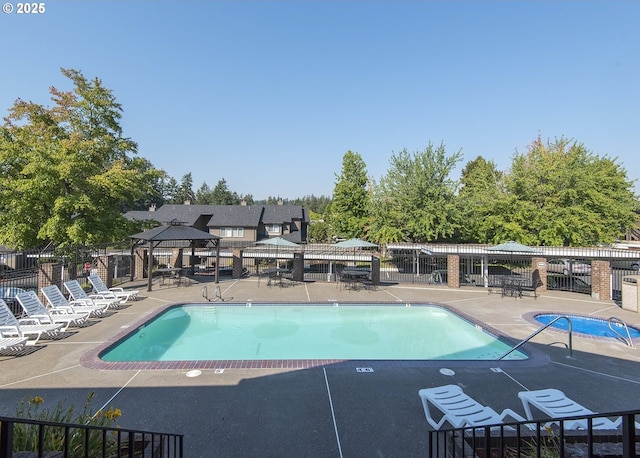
(591, 326)
(319, 332)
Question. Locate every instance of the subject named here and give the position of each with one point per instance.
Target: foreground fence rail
(27, 438)
(541, 438)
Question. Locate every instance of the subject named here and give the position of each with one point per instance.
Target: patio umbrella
(277, 242)
(355, 243)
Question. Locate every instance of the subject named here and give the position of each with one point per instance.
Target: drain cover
(445, 371)
(194, 373)
(364, 369)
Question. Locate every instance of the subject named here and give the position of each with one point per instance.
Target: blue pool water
(204, 332)
(588, 325)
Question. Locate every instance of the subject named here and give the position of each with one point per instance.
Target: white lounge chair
(555, 404)
(34, 308)
(56, 300)
(12, 343)
(100, 288)
(31, 328)
(79, 294)
(460, 410)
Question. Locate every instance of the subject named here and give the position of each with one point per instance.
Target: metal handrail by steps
(627, 340)
(512, 349)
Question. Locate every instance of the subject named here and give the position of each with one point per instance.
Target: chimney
(280, 202)
(152, 208)
(187, 202)
(244, 202)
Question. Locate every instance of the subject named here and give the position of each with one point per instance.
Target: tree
(562, 194)
(415, 200)
(185, 189)
(481, 193)
(348, 213)
(67, 172)
(221, 195)
(204, 195)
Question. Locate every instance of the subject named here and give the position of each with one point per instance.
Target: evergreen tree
(348, 213)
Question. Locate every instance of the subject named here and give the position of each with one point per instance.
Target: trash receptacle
(631, 292)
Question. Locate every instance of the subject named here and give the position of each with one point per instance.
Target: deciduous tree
(67, 172)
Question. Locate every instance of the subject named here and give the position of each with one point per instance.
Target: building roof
(235, 216)
(275, 214)
(223, 215)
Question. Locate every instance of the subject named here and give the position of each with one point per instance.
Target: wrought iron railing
(541, 438)
(33, 438)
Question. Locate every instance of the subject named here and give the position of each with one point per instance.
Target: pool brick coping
(91, 359)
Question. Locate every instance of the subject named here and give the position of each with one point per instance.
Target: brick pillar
(139, 263)
(49, 273)
(453, 271)
(236, 263)
(375, 270)
(298, 266)
(601, 280)
(105, 269)
(539, 273)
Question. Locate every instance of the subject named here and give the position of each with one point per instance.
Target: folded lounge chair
(35, 309)
(100, 288)
(460, 410)
(30, 328)
(79, 294)
(555, 404)
(56, 300)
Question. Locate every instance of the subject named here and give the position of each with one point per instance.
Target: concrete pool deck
(331, 410)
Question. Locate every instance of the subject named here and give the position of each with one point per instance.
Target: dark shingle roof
(274, 214)
(235, 215)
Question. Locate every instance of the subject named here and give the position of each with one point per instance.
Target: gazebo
(173, 232)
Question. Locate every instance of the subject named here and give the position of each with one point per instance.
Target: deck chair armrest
(61, 310)
(29, 321)
(116, 289)
(9, 331)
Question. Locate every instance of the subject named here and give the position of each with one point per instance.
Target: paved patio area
(333, 410)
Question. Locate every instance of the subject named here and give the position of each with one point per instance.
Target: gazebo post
(150, 266)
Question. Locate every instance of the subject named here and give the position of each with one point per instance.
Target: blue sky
(269, 95)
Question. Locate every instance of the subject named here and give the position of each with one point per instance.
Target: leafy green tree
(481, 194)
(562, 194)
(67, 172)
(415, 200)
(348, 213)
(319, 230)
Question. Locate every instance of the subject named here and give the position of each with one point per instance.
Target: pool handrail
(527, 339)
(628, 340)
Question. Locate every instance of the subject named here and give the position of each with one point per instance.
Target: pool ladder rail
(627, 340)
(561, 317)
(617, 321)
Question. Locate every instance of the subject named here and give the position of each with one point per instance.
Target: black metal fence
(34, 438)
(544, 438)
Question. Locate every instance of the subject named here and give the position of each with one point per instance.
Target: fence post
(49, 273)
(105, 269)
